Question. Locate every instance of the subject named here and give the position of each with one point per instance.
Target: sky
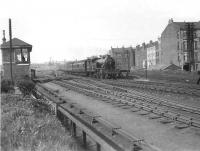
(77, 29)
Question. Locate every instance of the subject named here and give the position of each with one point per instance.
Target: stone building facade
(148, 55)
(174, 44)
(140, 56)
(153, 54)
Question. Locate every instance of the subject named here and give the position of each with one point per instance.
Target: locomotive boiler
(105, 67)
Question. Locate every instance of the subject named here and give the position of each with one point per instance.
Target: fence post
(73, 129)
(98, 147)
(84, 139)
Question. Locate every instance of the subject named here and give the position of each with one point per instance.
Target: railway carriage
(67, 67)
(77, 67)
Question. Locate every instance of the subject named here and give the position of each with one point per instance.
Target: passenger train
(104, 67)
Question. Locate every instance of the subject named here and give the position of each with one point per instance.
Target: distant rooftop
(182, 25)
(122, 48)
(15, 43)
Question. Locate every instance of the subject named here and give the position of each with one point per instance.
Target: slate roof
(15, 44)
(172, 67)
(182, 25)
(122, 49)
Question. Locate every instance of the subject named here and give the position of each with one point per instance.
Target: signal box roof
(16, 43)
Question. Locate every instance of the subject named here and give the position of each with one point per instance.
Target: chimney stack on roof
(4, 39)
(143, 45)
(159, 38)
(170, 21)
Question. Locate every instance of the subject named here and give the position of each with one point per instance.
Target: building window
(194, 35)
(196, 67)
(184, 34)
(184, 45)
(185, 57)
(177, 35)
(196, 56)
(178, 46)
(18, 55)
(195, 45)
(22, 55)
(157, 54)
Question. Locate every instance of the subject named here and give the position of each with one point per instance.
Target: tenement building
(140, 56)
(180, 45)
(153, 54)
(148, 55)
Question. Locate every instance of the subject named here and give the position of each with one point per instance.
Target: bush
(26, 86)
(6, 86)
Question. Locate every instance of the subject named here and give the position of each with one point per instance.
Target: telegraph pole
(128, 63)
(146, 68)
(10, 36)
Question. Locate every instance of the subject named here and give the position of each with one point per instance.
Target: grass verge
(27, 125)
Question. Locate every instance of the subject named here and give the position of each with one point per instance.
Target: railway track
(139, 93)
(176, 88)
(153, 99)
(156, 108)
(108, 131)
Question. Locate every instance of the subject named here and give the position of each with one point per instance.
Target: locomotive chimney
(4, 39)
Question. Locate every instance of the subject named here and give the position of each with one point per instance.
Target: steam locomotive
(98, 67)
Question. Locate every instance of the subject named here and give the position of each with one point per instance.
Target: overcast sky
(76, 29)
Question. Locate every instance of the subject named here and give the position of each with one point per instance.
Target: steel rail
(78, 118)
(176, 116)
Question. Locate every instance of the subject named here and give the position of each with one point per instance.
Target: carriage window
(21, 55)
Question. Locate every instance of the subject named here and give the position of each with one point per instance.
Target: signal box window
(22, 55)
